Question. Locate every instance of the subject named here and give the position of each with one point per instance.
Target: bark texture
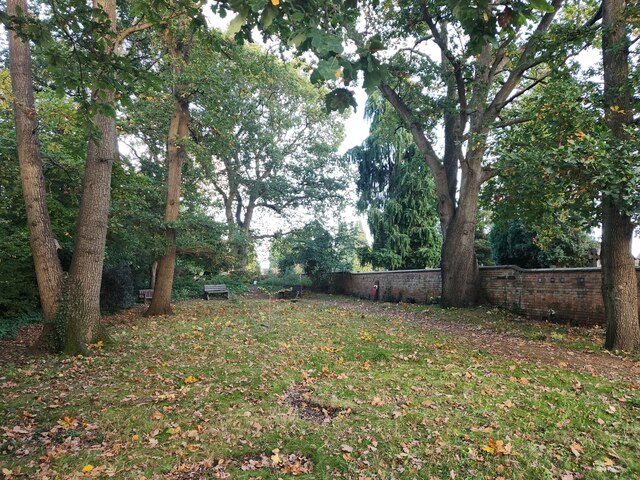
(460, 274)
(619, 283)
(43, 245)
(153, 272)
(176, 156)
(82, 291)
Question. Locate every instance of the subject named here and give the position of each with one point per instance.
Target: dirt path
(541, 353)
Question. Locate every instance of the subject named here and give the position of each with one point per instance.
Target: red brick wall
(395, 286)
(569, 295)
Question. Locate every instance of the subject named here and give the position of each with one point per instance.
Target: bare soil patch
(300, 397)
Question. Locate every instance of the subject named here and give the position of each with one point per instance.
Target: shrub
(185, 288)
(9, 327)
(275, 283)
(117, 289)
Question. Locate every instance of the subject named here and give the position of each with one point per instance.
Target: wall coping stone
(386, 272)
(486, 267)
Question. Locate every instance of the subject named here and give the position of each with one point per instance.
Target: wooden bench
(145, 294)
(215, 290)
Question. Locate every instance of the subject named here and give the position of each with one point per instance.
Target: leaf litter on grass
(404, 402)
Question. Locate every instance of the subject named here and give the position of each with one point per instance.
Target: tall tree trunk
(43, 245)
(245, 227)
(176, 156)
(460, 274)
(619, 282)
(82, 290)
(243, 255)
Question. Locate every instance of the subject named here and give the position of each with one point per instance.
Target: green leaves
(268, 15)
(325, 44)
(340, 99)
(484, 22)
(327, 70)
(541, 5)
(316, 249)
(374, 73)
(554, 169)
(236, 24)
(397, 191)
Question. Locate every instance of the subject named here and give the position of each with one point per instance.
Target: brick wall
(569, 295)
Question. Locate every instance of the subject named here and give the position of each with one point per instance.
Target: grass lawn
(501, 321)
(314, 389)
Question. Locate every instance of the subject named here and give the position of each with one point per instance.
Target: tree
(317, 250)
(397, 190)
(489, 56)
(513, 244)
(82, 287)
(619, 281)
(262, 137)
(178, 46)
(43, 244)
(573, 164)
(78, 311)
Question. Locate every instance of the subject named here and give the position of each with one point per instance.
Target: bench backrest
(215, 288)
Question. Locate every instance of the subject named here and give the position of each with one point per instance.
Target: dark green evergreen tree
(396, 188)
(512, 243)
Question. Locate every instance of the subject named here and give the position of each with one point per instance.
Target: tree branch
(522, 65)
(527, 88)
(413, 126)
(515, 121)
(124, 33)
(455, 63)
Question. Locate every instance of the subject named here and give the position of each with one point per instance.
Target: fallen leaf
(576, 449)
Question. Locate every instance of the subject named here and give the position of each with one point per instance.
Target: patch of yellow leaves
(497, 448)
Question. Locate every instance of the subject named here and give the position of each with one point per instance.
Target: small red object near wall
(375, 291)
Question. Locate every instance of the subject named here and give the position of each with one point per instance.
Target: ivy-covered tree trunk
(178, 130)
(176, 156)
(243, 255)
(82, 289)
(43, 245)
(619, 282)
